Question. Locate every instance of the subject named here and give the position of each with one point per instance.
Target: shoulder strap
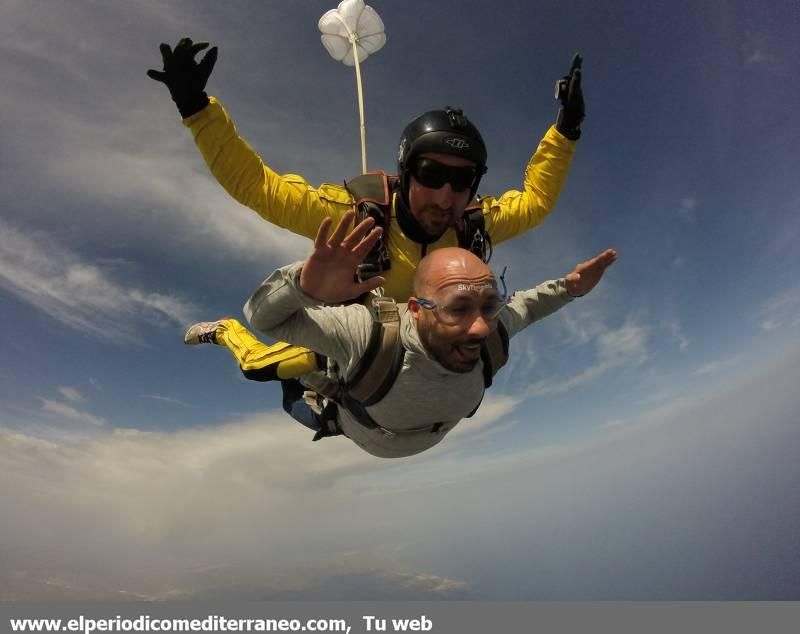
(377, 369)
(474, 236)
(375, 187)
(372, 195)
(494, 354)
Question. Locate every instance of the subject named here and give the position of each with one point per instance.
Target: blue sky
(641, 443)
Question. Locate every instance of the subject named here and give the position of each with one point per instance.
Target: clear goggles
(459, 304)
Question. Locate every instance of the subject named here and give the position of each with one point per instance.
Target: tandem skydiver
(429, 205)
(439, 341)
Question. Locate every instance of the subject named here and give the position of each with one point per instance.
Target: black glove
(569, 93)
(184, 77)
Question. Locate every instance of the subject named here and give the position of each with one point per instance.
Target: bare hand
(587, 274)
(329, 272)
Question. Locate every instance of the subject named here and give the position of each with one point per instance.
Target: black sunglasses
(432, 174)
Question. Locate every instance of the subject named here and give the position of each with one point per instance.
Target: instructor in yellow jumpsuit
(441, 159)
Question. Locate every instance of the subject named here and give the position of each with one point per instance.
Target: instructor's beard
(435, 220)
(418, 227)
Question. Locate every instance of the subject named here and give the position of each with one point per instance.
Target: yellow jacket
(290, 202)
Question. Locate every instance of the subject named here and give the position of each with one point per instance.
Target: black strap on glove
(569, 93)
(184, 77)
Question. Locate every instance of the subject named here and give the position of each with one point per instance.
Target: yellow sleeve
(287, 201)
(515, 212)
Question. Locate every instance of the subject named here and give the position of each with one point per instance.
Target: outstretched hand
(587, 274)
(329, 272)
(184, 77)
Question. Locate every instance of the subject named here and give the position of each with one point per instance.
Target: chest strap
(372, 195)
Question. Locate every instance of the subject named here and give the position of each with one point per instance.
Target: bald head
(450, 265)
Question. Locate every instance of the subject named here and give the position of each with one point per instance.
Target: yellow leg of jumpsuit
(260, 362)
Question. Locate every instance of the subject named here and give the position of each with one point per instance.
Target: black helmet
(445, 131)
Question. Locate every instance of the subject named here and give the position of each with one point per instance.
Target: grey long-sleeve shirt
(425, 393)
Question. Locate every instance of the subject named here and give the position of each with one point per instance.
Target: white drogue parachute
(351, 33)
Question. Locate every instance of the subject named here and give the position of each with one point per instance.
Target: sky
(641, 443)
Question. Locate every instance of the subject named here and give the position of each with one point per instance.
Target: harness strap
(494, 354)
(372, 196)
(380, 364)
(360, 413)
(322, 384)
(474, 236)
(379, 367)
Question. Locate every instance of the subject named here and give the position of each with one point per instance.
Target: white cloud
(522, 359)
(244, 495)
(780, 309)
(165, 399)
(575, 326)
(625, 346)
(254, 509)
(677, 332)
(138, 174)
(494, 408)
(238, 500)
(716, 366)
(582, 326)
(787, 299)
(114, 150)
(709, 368)
(185, 203)
(71, 394)
(76, 292)
(71, 413)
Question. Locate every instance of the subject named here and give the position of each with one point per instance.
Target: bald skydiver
(443, 328)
